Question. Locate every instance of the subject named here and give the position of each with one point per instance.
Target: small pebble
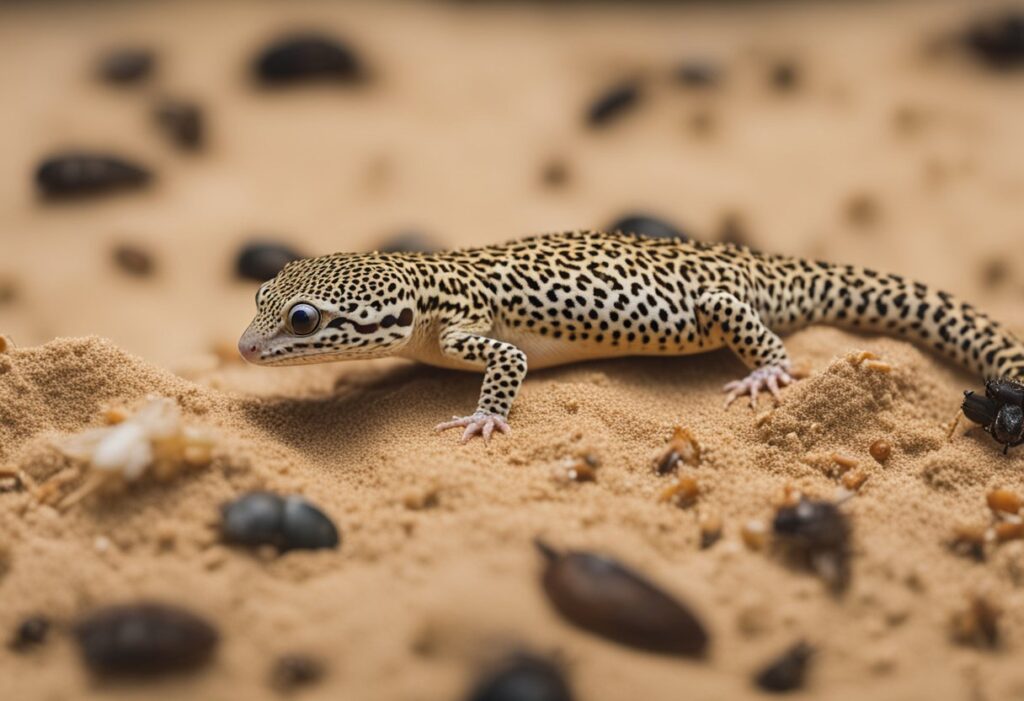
(880, 450)
(182, 121)
(1004, 500)
(307, 57)
(144, 639)
(555, 173)
(788, 671)
(79, 173)
(613, 104)
(30, 633)
(817, 532)
(1008, 530)
(262, 260)
(294, 671)
(698, 74)
(646, 225)
(127, 66)
(522, 677)
(133, 260)
(710, 530)
(853, 480)
(409, 242)
(754, 534)
(784, 76)
(863, 210)
(287, 523)
(998, 41)
(608, 599)
(977, 624)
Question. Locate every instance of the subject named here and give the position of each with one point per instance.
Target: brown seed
(710, 530)
(1009, 530)
(682, 447)
(854, 480)
(969, 541)
(684, 492)
(1004, 500)
(605, 597)
(880, 450)
(133, 260)
(878, 366)
(977, 624)
(754, 534)
(843, 461)
(114, 415)
(5, 344)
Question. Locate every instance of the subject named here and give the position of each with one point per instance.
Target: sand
(437, 574)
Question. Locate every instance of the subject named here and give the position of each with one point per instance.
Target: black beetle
(1000, 412)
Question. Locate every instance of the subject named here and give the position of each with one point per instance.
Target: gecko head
(339, 307)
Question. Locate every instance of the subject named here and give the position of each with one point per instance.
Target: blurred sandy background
(467, 106)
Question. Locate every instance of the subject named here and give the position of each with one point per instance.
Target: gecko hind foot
(482, 423)
(771, 378)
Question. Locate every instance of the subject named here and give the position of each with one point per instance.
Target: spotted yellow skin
(561, 298)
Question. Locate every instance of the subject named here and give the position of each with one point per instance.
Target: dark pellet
(76, 174)
(182, 122)
(262, 260)
(605, 597)
(613, 104)
(998, 41)
(144, 639)
(31, 632)
(522, 677)
(288, 523)
(555, 173)
(127, 66)
(307, 57)
(646, 225)
(293, 671)
(134, 260)
(788, 671)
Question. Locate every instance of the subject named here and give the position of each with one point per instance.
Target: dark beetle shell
(613, 103)
(144, 639)
(79, 173)
(813, 524)
(980, 410)
(1005, 391)
(127, 66)
(262, 260)
(288, 523)
(307, 57)
(607, 598)
(786, 672)
(646, 225)
(522, 677)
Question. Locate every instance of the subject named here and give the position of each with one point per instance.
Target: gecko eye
(303, 318)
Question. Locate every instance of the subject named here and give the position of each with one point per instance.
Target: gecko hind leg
(740, 327)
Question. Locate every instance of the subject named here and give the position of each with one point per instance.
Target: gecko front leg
(742, 330)
(504, 369)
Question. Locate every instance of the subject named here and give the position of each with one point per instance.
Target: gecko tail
(861, 299)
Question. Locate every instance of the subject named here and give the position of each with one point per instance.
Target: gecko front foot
(771, 378)
(482, 422)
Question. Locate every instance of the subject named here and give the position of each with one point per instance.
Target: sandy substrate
(436, 574)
